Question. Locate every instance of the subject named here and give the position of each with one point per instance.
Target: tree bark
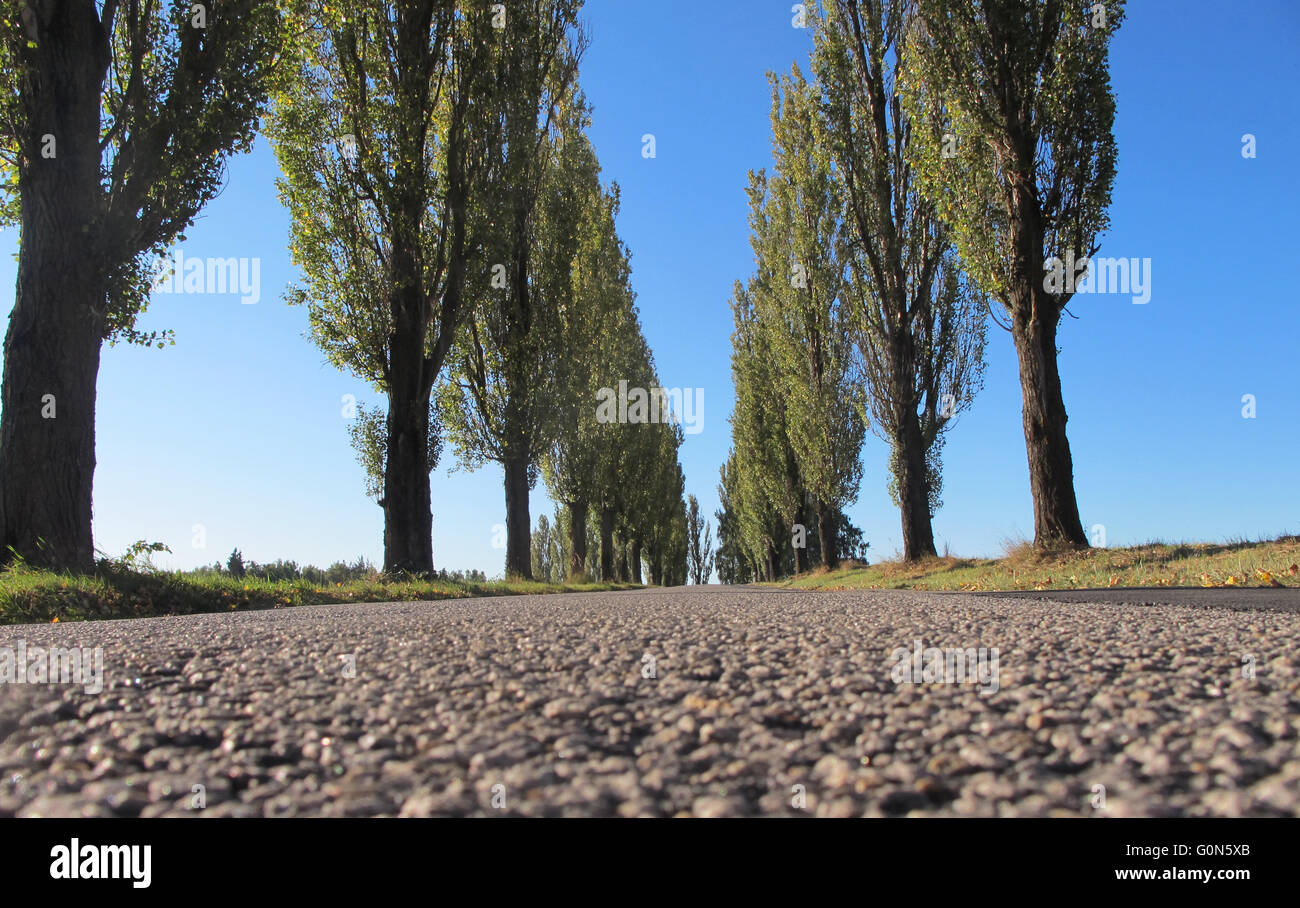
(620, 564)
(47, 428)
(408, 516)
(914, 491)
(635, 558)
(1051, 468)
(518, 520)
(606, 543)
(1035, 316)
(56, 328)
(577, 539)
(826, 536)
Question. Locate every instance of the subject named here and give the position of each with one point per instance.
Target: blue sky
(239, 429)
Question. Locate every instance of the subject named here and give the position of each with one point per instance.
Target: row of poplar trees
(456, 246)
(940, 153)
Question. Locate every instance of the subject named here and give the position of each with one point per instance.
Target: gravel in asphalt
(706, 701)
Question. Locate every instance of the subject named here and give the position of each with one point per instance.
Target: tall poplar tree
(799, 300)
(1022, 176)
(116, 121)
(496, 405)
(920, 324)
(381, 137)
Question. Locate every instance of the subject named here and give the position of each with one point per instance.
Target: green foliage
(699, 551)
(368, 434)
(370, 132)
(799, 299)
(548, 553)
(919, 323)
(174, 102)
(137, 556)
(1024, 89)
(504, 373)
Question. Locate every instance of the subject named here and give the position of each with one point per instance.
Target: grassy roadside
(1239, 563)
(32, 596)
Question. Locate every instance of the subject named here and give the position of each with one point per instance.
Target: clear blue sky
(238, 427)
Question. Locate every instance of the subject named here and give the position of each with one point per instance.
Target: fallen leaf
(1267, 578)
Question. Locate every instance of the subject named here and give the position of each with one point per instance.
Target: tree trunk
(914, 492)
(56, 328)
(47, 428)
(1035, 317)
(1051, 469)
(577, 539)
(606, 543)
(620, 564)
(408, 517)
(518, 521)
(636, 560)
(801, 554)
(826, 536)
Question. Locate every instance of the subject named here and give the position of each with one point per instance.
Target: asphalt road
(701, 701)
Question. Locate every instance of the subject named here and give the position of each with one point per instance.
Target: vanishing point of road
(703, 701)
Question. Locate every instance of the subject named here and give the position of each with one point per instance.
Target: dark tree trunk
(801, 554)
(1051, 468)
(826, 536)
(606, 543)
(577, 539)
(914, 492)
(1035, 316)
(408, 516)
(620, 564)
(518, 521)
(56, 328)
(635, 558)
(47, 429)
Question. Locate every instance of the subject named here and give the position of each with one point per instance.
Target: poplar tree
(116, 121)
(1022, 175)
(799, 294)
(496, 405)
(381, 138)
(593, 311)
(919, 323)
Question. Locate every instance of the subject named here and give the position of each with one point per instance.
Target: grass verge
(1239, 563)
(34, 596)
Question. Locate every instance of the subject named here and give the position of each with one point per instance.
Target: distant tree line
(338, 572)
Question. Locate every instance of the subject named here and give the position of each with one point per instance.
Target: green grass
(1238, 563)
(28, 595)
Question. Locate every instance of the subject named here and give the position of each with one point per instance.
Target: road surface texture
(702, 701)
